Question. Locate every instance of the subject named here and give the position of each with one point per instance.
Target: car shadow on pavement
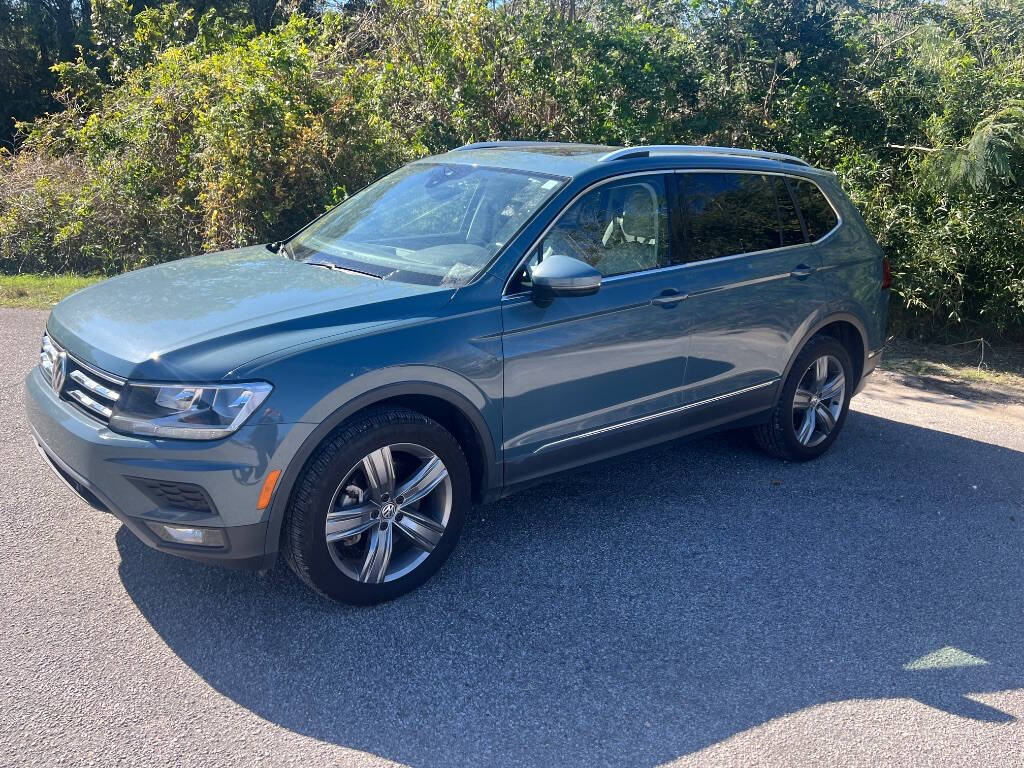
(642, 609)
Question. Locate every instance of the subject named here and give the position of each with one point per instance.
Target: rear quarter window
(818, 215)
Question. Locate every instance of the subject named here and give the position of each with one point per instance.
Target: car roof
(572, 160)
(553, 158)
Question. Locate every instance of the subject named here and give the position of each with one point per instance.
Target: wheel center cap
(387, 511)
(815, 400)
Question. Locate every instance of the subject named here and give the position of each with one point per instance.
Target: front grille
(175, 495)
(92, 391)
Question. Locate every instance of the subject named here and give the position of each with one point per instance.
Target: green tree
(201, 124)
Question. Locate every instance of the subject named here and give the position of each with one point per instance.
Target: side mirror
(560, 275)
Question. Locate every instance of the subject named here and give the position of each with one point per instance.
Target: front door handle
(668, 298)
(802, 271)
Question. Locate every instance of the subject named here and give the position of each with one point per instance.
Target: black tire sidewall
(321, 566)
(817, 347)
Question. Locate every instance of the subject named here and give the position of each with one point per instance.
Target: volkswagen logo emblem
(59, 372)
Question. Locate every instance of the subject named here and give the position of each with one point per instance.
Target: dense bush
(183, 129)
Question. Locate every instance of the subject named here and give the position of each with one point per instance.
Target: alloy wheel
(388, 513)
(818, 400)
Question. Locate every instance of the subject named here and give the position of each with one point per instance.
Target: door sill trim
(651, 417)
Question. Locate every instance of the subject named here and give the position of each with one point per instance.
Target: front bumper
(111, 472)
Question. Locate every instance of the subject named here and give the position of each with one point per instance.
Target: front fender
(430, 383)
(454, 358)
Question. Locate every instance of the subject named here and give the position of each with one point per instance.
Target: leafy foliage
(189, 126)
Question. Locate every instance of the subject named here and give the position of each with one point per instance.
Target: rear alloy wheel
(378, 508)
(813, 403)
(819, 400)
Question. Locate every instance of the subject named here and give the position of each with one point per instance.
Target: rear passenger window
(792, 232)
(724, 214)
(819, 218)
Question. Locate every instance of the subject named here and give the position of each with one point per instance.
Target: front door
(589, 376)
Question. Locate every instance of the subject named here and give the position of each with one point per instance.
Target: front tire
(813, 404)
(378, 508)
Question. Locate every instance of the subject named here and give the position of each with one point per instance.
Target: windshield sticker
(459, 274)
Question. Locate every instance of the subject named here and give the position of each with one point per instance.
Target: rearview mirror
(559, 275)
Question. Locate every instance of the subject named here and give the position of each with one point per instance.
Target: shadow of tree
(642, 609)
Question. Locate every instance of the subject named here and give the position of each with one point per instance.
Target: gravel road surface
(693, 604)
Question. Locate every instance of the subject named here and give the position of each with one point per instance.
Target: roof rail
(509, 144)
(681, 149)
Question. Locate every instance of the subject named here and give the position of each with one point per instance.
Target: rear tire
(812, 406)
(378, 508)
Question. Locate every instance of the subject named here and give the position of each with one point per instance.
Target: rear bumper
(109, 471)
(871, 361)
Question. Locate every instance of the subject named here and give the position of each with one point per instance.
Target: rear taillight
(886, 275)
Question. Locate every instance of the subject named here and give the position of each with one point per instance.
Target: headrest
(639, 216)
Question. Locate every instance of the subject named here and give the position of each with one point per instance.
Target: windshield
(431, 223)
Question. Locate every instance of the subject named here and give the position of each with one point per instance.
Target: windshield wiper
(339, 268)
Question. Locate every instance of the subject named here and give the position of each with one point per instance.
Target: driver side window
(618, 228)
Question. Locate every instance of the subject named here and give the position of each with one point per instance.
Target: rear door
(588, 376)
(753, 286)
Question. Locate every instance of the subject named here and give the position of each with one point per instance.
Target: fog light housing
(188, 535)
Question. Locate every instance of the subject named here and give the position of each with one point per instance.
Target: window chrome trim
(597, 184)
(732, 256)
(687, 264)
(652, 416)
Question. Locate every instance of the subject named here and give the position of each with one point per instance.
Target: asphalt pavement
(692, 604)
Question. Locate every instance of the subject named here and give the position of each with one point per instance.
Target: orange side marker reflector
(268, 489)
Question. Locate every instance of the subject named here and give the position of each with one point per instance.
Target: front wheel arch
(483, 465)
(376, 457)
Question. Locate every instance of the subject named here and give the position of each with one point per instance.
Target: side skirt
(692, 431)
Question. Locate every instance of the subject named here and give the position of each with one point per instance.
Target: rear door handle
(668, 298)
(802, 271)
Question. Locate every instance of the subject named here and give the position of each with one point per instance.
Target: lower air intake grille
(169, 495)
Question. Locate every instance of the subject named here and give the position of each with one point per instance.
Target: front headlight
(186, 411)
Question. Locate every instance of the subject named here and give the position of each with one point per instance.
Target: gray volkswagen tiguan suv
(464, 326)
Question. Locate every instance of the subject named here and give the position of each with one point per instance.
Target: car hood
(201, 317)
